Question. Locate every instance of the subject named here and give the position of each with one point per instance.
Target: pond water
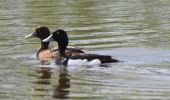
(137, 32)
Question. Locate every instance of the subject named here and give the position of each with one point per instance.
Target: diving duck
(45, 54)
(61, 37)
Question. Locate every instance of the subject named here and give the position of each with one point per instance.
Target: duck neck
(64, 59)
(44, 46)
(61, 49)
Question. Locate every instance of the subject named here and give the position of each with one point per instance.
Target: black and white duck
(61, 37)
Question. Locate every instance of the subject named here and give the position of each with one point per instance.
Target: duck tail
(107, 59)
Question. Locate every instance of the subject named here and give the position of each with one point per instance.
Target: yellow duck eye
(58, 33)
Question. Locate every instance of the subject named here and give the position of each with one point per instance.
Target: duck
(61, 37)
(46, 54)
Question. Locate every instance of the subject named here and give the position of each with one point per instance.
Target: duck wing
(89, 57)
(71, 51)
(75, 50)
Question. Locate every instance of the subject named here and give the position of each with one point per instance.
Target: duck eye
(58, 33)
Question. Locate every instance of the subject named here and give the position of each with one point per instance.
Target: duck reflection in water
(61, 90)
(44, 79)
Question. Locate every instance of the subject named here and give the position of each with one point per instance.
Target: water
(133, 31)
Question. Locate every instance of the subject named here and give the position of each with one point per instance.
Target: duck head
(61, 37)
(41, 32)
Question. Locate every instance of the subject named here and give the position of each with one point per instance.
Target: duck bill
(30, 35)
(48, 39)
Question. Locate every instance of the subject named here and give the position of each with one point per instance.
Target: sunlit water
(133, 31)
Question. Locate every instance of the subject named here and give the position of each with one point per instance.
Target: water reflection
(44, 79)
(60, 90)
